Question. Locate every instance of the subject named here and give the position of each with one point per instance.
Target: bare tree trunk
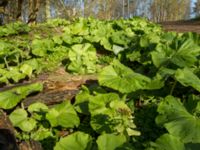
(19, 10)
(47, 9)
(33, 10)
(3, 5)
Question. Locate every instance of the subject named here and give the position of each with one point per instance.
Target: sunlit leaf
(122, 78)
(10, 98)
(110, 141)
(178, 121)
(63, 115)
(75, 141)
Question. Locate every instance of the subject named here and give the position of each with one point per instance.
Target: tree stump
(7, 137)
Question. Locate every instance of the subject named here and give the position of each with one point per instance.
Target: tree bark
(47, 9)
(7, 137)
(19, 10)
(33, 11)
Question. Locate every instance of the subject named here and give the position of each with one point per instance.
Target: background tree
(169, 10)
(197, 8)
(34, 6)
(40, 10)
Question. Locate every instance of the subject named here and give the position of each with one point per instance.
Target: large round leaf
(109, 114)
(178, 121)
(121, 78)
(63, 115)
(110, 141)
(167, 142)
(187, 78)
(83, 58)
(10, 98)
(19, 118)
(38, 110)
(75, 141)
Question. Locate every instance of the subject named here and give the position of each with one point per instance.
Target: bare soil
(182, 26)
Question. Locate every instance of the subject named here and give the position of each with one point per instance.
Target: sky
(192, 5)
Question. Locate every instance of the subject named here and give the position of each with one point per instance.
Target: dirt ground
(182, 26)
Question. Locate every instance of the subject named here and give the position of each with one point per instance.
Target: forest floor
(182, 26)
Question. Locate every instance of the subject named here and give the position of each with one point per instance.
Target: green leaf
(11, 98)
(121, 78)
(63, 115)
(187, 54)
(161, 56)
(110, 141)
(178, 121)
(82, 101)
(75, 141)
(117, 49)
(109, 114)
(19, 118)
(34, 64)
(40, 47)
(147, 39)
(187, 78)
(58, 40)
(37, 107)
(106, 43)
(168, 142)
(120, 38)
(26, 69)
(184, 56)
(41, 134)
(15, 74)
(27, 125)
(38, 110)
(80, 62)
(80, 27)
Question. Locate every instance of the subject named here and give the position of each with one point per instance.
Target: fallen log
(58, 86)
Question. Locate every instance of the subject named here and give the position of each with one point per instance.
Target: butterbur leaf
(11, 98)
(38, 110)
(187, 78)
(187, 54)
(26, 69)
(178, 121)
(159, 57)
(58, 40)
(121, 78)
(117, 49)
(120, 38)
(184, 56)
(109, 114)
(75, 141)
(102, 120)
(37, 107)
(80, 27)
(110, 141)
(27, 125)
(63, 115)
(83, 58)
(15, 74)
(98, 103)
(82, 101)
(40, 47)
(19, 118)
(168, 142)
(106, 43)
(41, 134)
(157, 82)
